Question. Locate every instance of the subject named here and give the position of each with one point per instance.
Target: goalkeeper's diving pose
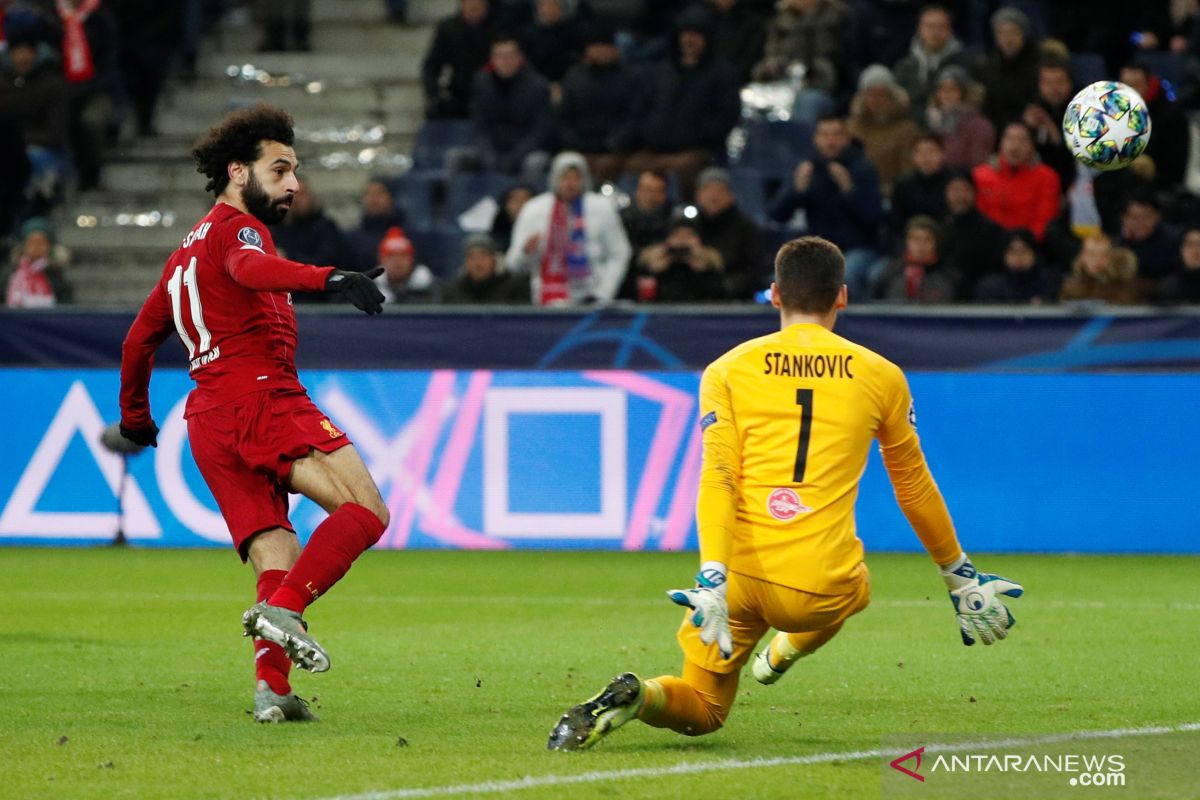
(788, 421)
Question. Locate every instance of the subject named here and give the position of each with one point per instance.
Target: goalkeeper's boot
(588, 723)
(271, 707)
(775, 659)
(285, 628)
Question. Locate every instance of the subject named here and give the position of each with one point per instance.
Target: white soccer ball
(1107, 125)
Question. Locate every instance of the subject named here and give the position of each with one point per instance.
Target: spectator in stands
(933, 49)
(482, 281)
(1109, 28)
(690, 105)
(810, 34)
(151, 32)
(551, 40)
(1016, 189)
(404, 281)
(1010, 71)
(93, 78)
(570, 240)
(1143, 231)
(953, 115)
(595, 117)
(724, 227)
(880, 119)
(460, 49)
(510, 106)
(379, 213)
(839, 193)
(35, 279)
(14, 166)
(1183, 286)
(32, 90)
(681, 268)
(921, 190)
(739, 32)
(1025, 279)
(511, 204)
(307, 234)
(286, 25)
(1044, 117)
(919, 274)
(972, 245)
(1170, 138)
(1106, 273)
(646, 218)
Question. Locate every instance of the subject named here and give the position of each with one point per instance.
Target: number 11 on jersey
(187, 277)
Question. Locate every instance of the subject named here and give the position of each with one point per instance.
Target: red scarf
(554, 261)
(29, 287)
(77, 53)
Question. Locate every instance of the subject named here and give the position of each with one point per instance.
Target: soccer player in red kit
(254, 432)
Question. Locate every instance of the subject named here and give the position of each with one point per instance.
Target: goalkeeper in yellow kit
(788, 422)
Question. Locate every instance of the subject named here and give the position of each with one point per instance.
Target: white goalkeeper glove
(975, 596)
(707, 601)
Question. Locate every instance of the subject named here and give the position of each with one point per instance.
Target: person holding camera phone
(681, 269)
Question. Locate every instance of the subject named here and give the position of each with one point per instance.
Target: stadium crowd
(569, 156)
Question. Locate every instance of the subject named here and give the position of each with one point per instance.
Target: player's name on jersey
(817, 365)
(195, 236)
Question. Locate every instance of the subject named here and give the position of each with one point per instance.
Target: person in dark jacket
(1010, 72)
(919, 274)
(33, 90)
(739, 32)
(595, 117)
(551, 40)
(459, 50)
(308, 235)
(691, 104)
(838, 189)
(151, 33)
(1143, 231)
(510, 204)
(93, 86)
(934, 47)
(681, 268)
(1044, 116)
(379, 214)
(510, 106)
(972, 245)
(645, 221)
(1183, 286)
(482, 282)
(921, 190)
(1025, 279)
(14, 166)
(724, 227)
(1170, 139)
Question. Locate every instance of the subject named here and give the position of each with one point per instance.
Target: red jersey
(228, 296)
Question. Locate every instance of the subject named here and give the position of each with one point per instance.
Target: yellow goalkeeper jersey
(788, 423)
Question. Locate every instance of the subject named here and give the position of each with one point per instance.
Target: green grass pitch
(124, 676)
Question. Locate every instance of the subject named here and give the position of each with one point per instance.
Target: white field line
(695, 767)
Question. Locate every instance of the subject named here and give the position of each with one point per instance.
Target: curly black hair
(239, 138)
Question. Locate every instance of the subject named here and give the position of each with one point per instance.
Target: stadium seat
(415, 192)
(435, 137)
(774, 148)
(1087, 68)
(468, 188)
(747, 185)
(438, 247)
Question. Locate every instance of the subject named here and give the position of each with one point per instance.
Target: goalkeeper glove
(975, 596)
(707, 601)
(142, 437)
(357, 287)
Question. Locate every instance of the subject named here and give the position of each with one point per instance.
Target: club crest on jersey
(784, 505)
(248, 235)
(331, 429)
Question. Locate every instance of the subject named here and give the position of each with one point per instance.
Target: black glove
(357, 287)
(142, 437)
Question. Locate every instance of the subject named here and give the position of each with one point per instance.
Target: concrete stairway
(357, 103)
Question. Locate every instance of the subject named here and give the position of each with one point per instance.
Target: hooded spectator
(551, 40)
(483, 280)
(33, 90)
(1010, 72)
(379, 213)
(569, 239)
(510, 106)
(36, 278)
(1105, 273)
(934, 47)
(1015, 189)
(724, 227)
(952, 113)
(879, 118)
(1024, 280)
(460, 49)
(690, 105)
(404, 281)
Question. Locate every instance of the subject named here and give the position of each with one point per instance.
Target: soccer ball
(1106, 125)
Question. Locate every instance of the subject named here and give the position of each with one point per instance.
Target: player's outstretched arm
(357, 287)
(982, 615)
(153, 324)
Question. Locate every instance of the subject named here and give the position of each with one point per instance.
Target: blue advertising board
(609, 459)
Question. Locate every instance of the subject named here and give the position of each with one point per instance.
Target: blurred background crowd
(571, 152)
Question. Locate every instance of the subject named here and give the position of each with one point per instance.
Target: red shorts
(245, 450)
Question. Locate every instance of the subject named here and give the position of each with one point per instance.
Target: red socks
(328, 555)
(271, 664)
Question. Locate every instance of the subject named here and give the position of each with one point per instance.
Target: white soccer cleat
(774, 660)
